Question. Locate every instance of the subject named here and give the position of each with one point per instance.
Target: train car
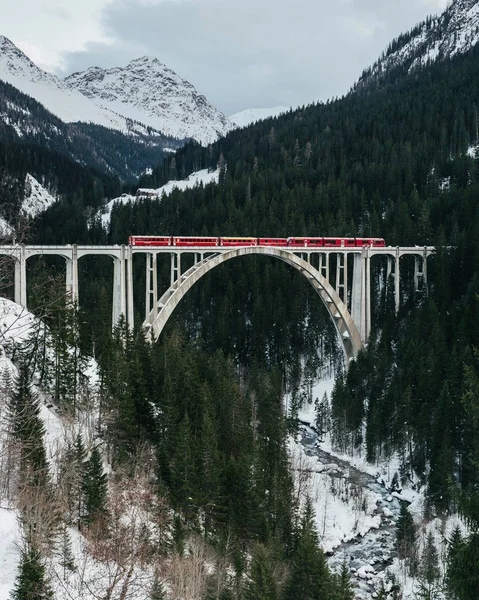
(371, 242)
(238, 241)
(195, 241)
(305, 242)
(151, 240)
(330, 242)
(272, 242)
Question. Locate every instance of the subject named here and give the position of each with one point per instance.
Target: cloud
(254, 53)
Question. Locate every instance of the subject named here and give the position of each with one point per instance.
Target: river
(369, 552)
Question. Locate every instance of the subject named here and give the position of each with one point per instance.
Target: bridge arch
(347, 330)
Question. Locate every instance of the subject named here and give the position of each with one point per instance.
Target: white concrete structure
(351, 286)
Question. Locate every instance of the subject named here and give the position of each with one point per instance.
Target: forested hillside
(397, 161)
(26, 121)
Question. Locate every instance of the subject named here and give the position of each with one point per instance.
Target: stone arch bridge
(343, 283)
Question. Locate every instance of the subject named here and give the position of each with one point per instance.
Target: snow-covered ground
(37, 199)
(16, 325)
(9, 550)
(252, 115)
(348, 505)
(202, 177)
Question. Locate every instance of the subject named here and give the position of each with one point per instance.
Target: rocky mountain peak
(147, 91)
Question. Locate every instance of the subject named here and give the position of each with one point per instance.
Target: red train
(291, 242)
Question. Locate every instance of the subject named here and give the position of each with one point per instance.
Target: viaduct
(346, 292)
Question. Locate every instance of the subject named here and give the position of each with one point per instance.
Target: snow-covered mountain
(251, 115)
(455, 31)
(142, 96)
(55, 95)
(148, 91)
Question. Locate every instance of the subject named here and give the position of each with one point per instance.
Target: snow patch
(37, 199)
(202, 177)
(252, 115)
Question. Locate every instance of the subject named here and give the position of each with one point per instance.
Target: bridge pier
(175, 271)
(324, 268)
(72, 275)
(397, 297)
(365, 297)
(130, 319)
(119, 291)
(20, 285)
(420, 271)
(342, 276)
(356, 291)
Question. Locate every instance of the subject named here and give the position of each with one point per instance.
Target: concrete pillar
(173, 269)
(324, 265)
(341, 275)
(345, 276)
(119, 292)
(417, 273)
(155, 285)
(368, 294)
(72, 275)
(365, 322)
(397, 276)
(356, 291)
(129, 288)
(363, 327)
(389, 268)
(21, 278)
(18, 281)
(149, 269)
(424, 268)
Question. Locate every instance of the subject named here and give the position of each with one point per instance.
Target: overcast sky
(239, 53)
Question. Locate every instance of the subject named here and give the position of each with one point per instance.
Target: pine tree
(71, 473)
(27, 428)
(429, 572)
(322, 414)
(67, 560)
(95, 488)
(262, 584)
(406, 536)
(310, 578)
(343, 589)
(31, 582)
(183, 471)
(454, 570)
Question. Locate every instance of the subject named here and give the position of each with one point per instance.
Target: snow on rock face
(148, 91)
(200, 177)
(37, 199)
(252, 115)
(55, 95)
(455, 31)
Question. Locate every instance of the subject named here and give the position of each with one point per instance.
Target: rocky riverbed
(368, 547)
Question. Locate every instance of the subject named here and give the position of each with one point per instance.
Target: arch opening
(347, 331)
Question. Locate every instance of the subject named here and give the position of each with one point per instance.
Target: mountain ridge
(114, 98)
(454, 31)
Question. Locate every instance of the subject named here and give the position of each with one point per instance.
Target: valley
(301, 422)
